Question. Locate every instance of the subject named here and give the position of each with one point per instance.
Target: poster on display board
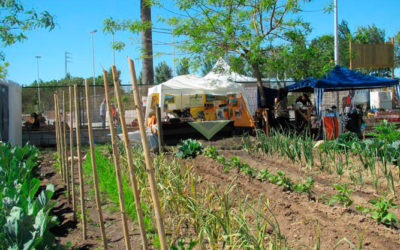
(361, 96)
(144, 101)
(196, 100)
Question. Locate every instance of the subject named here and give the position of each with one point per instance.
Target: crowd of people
(351, 119)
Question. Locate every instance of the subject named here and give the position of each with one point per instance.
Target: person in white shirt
(103, 113)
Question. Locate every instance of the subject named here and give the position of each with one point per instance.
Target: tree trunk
(257, 74)
(147, 44)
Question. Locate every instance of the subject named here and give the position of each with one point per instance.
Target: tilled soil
(302, 220)
(69, 231)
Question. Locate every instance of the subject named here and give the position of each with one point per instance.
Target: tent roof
(341, 78)
(221, 80)
(222, 71)
(191, 84)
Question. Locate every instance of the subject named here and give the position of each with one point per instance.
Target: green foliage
(24, 214)
(263, 174)
(189, 148)
(380, 211)
(213, 29)
(182, 245)
(163, 72)
(108, 185)
(15, 22)
(211, 152)
(304, 187)
(183, 67)
(386, 131)
(343, 195)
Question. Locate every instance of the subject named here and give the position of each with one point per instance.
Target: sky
(77, 18)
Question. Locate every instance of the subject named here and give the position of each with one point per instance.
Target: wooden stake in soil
(94, 169)
(60, 140)
(71, 151)
(80, 171)
(128, 151)
(159, 130)
(66, 172)
(56, 130)
(148, 160)
(117, 166)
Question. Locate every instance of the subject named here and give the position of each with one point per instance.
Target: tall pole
(94, 168)
(94, 72)
(38, 80)
(148, 160)
(336, 34)
(336, 46)
(113, 41)
(173, 53)
(66, 61)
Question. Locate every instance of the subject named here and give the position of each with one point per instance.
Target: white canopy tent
(219, 83)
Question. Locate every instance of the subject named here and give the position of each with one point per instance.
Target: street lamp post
(336, 46)
(38, 80)
(94, 72)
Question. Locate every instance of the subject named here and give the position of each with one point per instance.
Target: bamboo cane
(71, 151)
(80, 171)
(148, 160)
(159, 130)
(132, 174)
(94, 169)
(60, 140)
(65, 149)
(117, 166)
(56, 130)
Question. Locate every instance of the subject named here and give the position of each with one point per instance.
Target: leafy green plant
(284, 181)
(182, 245)
(250, 171)
(386, 131)
(380, 211)
(304, 187)
(263, 174)
(189, 148)
(342, 196)
(211, 152)
(24, 214)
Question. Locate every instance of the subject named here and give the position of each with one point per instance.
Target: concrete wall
(48, 138)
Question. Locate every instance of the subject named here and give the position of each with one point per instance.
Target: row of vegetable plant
(191, 217)
(263, 175)
(25, 217)
(375, 156)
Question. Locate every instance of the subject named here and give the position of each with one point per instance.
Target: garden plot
(235, 194)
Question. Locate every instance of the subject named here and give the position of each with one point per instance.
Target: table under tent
(339, 79)
(207, 107)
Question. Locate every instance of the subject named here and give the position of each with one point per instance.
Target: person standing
(103, 113)
(281, 110)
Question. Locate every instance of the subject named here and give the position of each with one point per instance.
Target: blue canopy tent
(341, 78)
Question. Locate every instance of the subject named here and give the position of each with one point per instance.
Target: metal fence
(30, 103)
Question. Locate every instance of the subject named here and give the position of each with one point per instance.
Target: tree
(344, 38)
(208, 65)
(163, 72)
(183, 67)
(15, 22)
(215, 28)
(144, 26)
(300, 59)
(147, 43)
